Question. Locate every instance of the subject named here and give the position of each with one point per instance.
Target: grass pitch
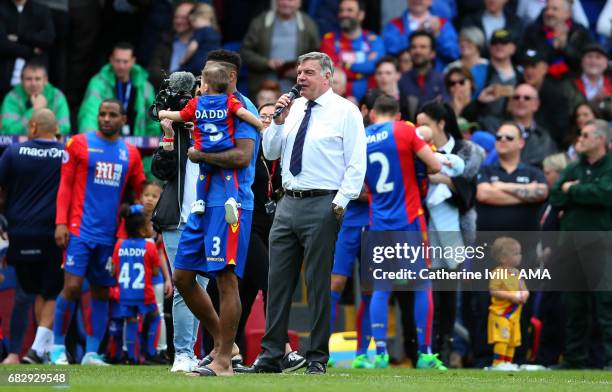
(158, 378)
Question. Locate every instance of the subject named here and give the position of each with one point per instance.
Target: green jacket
(588, 205)
(102, 86)
(16, 110)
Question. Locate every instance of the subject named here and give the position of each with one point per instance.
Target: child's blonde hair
(500, 247)
(205, 11)
(216, 77)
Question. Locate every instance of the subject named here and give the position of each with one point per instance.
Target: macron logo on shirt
(108, 173)
(53, 153)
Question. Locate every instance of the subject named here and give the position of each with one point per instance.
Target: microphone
(293, 94)
(181, 81)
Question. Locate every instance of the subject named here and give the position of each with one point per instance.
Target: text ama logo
(108, 173)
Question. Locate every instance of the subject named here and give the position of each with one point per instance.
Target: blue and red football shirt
(391, 176)
(94, 174)
(213, 119)
(357, 57)
(135, 260)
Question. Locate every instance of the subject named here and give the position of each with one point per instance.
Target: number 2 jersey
(395, 201)
(94, 175)
(134, 260)
(213, 119)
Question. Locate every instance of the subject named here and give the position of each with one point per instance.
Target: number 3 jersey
(94, 175)
(213, 119)
(391, 176)
(134, 260)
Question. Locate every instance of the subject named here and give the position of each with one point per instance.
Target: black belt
(310, 193)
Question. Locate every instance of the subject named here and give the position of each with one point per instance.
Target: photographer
(170, 164)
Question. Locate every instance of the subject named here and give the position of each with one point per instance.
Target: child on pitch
(508, 294)
(136, 261)
(213, 116)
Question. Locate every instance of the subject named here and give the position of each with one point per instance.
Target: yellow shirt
(506, 279)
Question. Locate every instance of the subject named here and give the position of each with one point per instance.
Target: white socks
(43, 341)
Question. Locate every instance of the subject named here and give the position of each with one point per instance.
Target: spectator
(500, 80)
(30, 173)
(126, 81)
(538, 143)
(593, 83)
(509, 196)
(387, 76)
(530, 10)
(205, 38)
(170, 164)
(173, 45)
(353, 49)
(556, 96)
(551, 310)
(397, 33)
(604, 22)
(268, 93)
(422, 82)
(583, 192)
(405, 61)
(580, 116)
(471, 43)
(33, 93)
(58, 52)
(26, 31)
(274, 41)
(558, 37)
(493, 17)
(460, 86)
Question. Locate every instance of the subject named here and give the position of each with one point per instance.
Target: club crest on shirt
(108, 173)
(123, 155)
(235, 227)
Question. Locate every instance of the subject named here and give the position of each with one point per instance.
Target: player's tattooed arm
(235, 158)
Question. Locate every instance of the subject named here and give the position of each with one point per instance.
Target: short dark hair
(134, 220)
(216, 77)
(34, 64)
(514, 125)
(116, 102)
(123, 45)
(388, 59)
(225, 56)
(360, 3)
(265, 105)
(386, 104)
(441, 111)
(369, 98)
(424, 33)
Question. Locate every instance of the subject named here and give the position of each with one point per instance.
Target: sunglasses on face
(583, 135)
(453, 83)
(523, 97)
(504, 137)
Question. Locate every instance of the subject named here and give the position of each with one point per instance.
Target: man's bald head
(43, 124)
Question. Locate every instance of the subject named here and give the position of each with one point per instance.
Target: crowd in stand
(527, 81)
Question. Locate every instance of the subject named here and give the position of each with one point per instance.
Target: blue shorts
(348, 248)
(133, 310)
(209, 244)
(90, 260)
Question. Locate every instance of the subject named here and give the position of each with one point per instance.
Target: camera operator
(170, 164)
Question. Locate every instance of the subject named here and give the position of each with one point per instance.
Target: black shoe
(207, 360)
(315, 368)
(292, 361)
(157, 359)
(259, 367)
(32, 358)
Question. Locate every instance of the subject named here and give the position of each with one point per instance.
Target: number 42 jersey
(391, 176)
(134, 260)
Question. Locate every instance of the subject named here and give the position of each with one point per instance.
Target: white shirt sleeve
(604, 23)
(272, 142)
(354, 144)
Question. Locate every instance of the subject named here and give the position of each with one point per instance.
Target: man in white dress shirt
(321, 142)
